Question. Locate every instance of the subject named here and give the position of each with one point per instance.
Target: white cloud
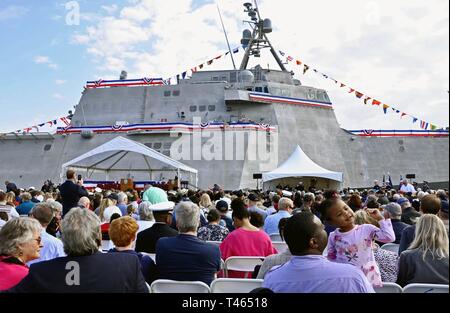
(42, 59)
(110, 9)
(57, 96)
(60, 81)
(12, 12)
(396, 51)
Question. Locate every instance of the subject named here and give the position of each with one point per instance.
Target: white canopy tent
(299, 165)
(124, 155)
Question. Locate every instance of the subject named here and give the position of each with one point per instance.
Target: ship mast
(254, 41)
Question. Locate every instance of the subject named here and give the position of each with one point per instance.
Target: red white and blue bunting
(64, 120)
(364, 97)
(170, 127)
(266, 98)
(399, 133)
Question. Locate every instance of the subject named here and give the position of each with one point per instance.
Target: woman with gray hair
(85, 269)
(426, 260)
(20, 242)
(146, 219)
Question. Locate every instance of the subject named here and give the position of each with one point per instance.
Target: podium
(126, 184)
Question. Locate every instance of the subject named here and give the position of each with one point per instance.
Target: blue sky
(394, 50)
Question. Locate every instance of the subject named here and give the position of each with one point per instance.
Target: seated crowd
(54, 240)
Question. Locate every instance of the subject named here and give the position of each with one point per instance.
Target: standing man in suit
(71, 191)
(162, 212)
(85, 269)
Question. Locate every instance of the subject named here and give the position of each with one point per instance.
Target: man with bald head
(84, 203)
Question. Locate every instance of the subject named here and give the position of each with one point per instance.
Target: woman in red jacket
(20, 242)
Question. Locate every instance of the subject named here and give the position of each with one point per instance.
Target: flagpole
(226, 37)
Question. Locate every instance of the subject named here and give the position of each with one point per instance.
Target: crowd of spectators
(334, 238)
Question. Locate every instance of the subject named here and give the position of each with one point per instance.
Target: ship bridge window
(167, 93)
(285, 93)
(311, 94)
(148, 144)
(233, 77)
(47, 147)
(176, 93)
(202, 108)
(167, 145)
(211, 107)
(157, 145)
(258, 89)
(193, 108)
(266, 89)
(215, 78)
(224, 78)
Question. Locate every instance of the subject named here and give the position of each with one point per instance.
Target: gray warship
(247, 107)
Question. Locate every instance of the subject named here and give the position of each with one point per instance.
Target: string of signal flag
(364, 97)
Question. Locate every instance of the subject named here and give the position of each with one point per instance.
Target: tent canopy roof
(300, 165)
(111, 157)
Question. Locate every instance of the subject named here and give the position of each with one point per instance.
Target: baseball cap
(253, 197)
(402, 200)
(222, 206)
(113, 196)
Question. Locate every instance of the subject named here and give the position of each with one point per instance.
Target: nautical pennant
(358, 94)
(236, 50)
(414, 120)
(367, 99)
(375, 102)
(305, 68)
(351, 90)
(210, 62)
(403, 114)
(282, 53)
(299, 62)
(342, 85)
(433, 127)
(423, 125)
(385, 107)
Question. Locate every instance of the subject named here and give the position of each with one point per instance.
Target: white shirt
(52, 248)
(143, 225)
(407, 188)
(109, 211)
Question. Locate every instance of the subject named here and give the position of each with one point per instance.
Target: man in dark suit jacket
(85, 269)
(71, 191)
(146, 239)
(99, 272)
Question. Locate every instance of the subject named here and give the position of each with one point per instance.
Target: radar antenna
(254, 41)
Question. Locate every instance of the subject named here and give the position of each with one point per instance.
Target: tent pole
(179, 178)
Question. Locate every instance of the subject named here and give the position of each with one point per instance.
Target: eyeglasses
(38, 240)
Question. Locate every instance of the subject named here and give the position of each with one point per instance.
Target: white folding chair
(242, 264)
(222, 264)
(107, 244)
(235, 285)
(275, 237)
(217, 243)
(389, 288)
(172, 286)
(152, 255)
(393, 247)
(149, 288)
(281, 246)
(425, 288)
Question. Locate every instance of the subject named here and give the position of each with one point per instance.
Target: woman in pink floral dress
(351, 243)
